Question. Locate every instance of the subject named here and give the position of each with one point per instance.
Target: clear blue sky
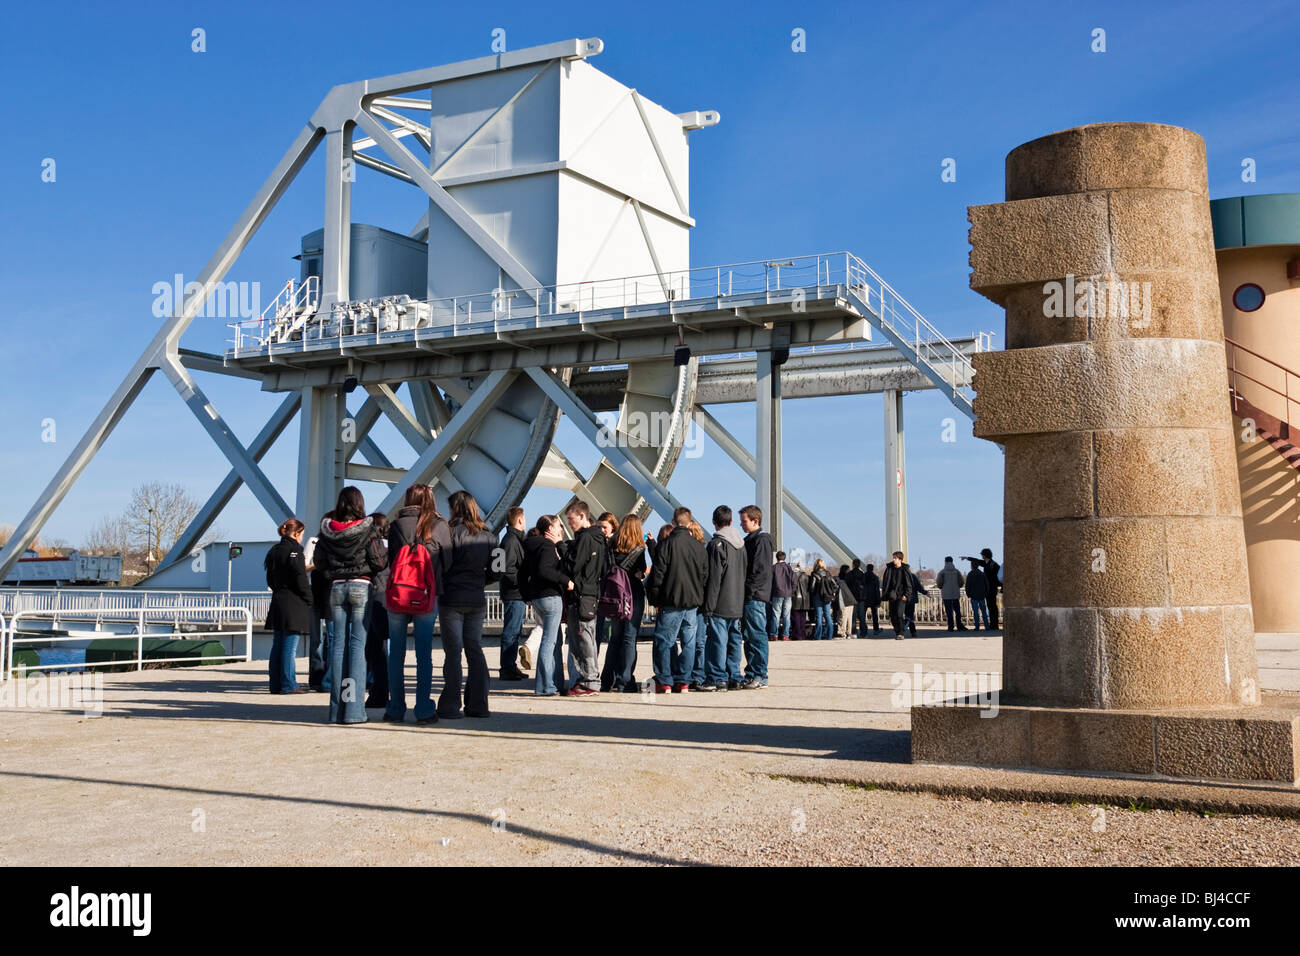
(159, 149)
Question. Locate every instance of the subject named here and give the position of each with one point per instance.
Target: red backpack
(411, 587)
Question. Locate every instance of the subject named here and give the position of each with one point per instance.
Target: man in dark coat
(857, 581)
(586, 559)
(871, 598)
(990, 568)
(724, 603)
(761, 553)
(291, 613)
(898, 589)
(677, 580)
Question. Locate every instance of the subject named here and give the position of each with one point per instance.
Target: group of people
(357, 587)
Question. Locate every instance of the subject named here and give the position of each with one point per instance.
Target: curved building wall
(1255, 238)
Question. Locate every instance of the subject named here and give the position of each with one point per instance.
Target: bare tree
(157, 515)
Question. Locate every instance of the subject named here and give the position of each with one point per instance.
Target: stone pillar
(1124, 558)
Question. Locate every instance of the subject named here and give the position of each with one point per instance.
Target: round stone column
(1125, 564)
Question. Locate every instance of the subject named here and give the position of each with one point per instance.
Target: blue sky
(159, 149)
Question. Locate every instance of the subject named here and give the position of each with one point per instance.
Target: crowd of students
(357, 587)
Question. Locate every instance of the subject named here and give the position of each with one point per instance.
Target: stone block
(1163, 657)
(1161, 230)
(1035, 240)
(1021, 554)
(1258, 746)
(1207, 561)
(1149, 471)
(1051, 656)
(961, 735)
(1115, 383)
(1107, 156)
(1104, 562)
(1049, 476)
(1093, 740)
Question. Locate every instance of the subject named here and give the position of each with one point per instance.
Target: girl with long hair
(628, 553)
(291, 613)
(464, 607)
(417, 526)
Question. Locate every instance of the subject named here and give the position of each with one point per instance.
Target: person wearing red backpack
(419, 546)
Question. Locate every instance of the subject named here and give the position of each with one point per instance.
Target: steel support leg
(319, 480)
(895, 476)
(767, 479)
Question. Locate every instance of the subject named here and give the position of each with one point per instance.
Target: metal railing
(159, 607)
(505, 310)
(291, 308)
(930, 346)
(1236, 375)
(219, 616)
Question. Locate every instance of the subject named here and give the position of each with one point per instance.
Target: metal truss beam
(216, 364)
(516, 270)
(213, 272)
(801, 513)
(407, 425)
(244, 463)
(440, 451)
(629, 468)
(190, 537)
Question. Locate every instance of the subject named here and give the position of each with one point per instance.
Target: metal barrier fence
(218, 616)
(159, 606)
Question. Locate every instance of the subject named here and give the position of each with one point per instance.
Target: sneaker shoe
(425, 720)
(513, 677)
(752, 684)
(898, 637)
(735, 684)
(681, 688)
(663, 688)
(525, 658)
(390, 719)
(706, 688)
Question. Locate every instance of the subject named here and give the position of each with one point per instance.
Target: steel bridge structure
(523, 323)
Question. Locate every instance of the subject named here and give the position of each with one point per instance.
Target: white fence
(202, 624)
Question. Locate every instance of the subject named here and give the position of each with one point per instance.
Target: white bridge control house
(544, 272)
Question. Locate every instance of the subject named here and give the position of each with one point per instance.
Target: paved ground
(204, 767)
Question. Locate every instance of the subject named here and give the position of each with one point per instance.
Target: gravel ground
(203, 767)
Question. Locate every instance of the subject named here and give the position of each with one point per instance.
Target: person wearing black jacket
(291, 611)
(871, 599)
(898, 588)
(628, 553)
(586, 561)
(724, 603)
(542, 582)
(512, 602)
(800, 604)
(348, 554)
(990, 568)
(464, 608)
(759, 552)
(857, 580)
(418, 522)
(784, 586)
(677, 581)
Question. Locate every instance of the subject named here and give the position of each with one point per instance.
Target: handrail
(1235, 373)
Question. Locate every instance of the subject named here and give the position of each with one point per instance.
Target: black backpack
(828, 588)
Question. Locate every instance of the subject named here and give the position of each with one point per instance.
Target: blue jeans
(550, 655)
(620, 656)
(823, 626)
(462, 629)
(755, 630)
(327, 681)
(671, 665)
(397, 624)
(778, 620)
(722, 651)
(283, 647)
(699, 635)
(350, 605)
(978, 607)
(511, 625)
